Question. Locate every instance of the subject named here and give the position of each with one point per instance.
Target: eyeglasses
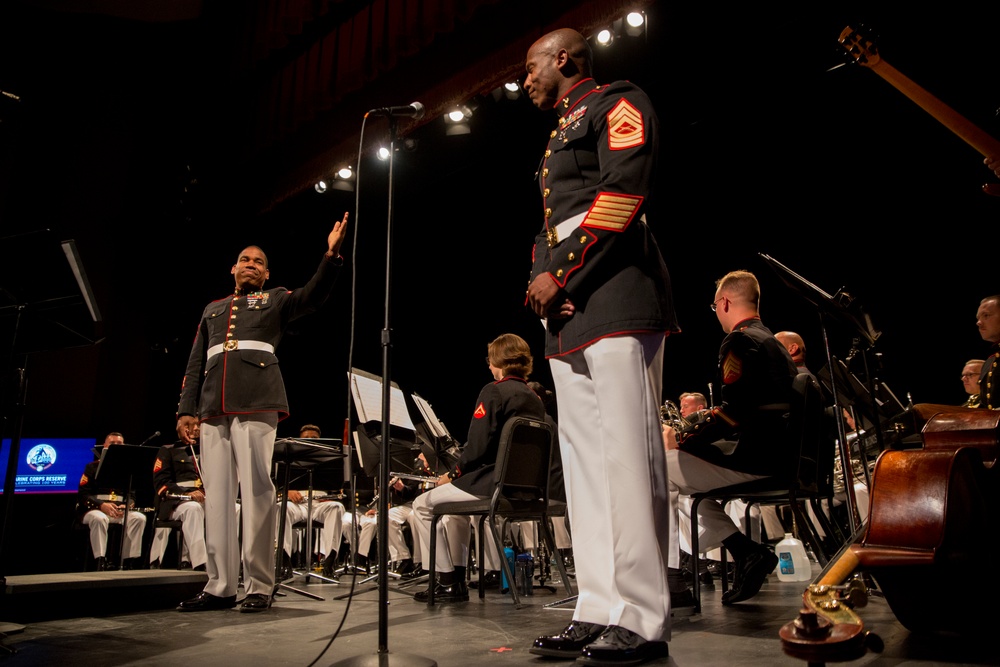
(969, 375)
(716, 303)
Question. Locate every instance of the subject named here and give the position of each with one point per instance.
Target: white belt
(560, 232)
(231, 345)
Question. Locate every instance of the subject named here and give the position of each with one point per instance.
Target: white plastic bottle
(793, 563)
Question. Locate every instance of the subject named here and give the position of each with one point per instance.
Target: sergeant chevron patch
(625, 128)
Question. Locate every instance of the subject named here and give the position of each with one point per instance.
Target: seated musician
(180, 496)
(97, 507)
(326, 510)
(510, 362)
(988, 321)
(971, 373)
(756, 374)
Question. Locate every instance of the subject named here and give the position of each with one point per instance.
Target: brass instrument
(670, 415)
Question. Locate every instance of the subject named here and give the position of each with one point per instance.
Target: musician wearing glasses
(756, 372)
(971, 372)
(180, 496)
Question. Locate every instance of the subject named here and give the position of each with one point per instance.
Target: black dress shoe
(457, 592)
(681, 603)
(255, 602)
(207, 602)
(569, 642)
(490, 580)
(621, 646)
(750, 575)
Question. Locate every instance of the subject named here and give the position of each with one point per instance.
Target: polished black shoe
(101, 564)
(569, 642)
(207, 602)
(329, 566)
(490, 580)
(750, 575)
(255, 602)
(621, 646)
(681, 603)
(457, 592)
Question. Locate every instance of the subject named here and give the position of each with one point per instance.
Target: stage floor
(137, 625)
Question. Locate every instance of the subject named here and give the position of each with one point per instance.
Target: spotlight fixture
(382, 153)
(457, 121)
(512, 90)
(345, 173)
(605, 37)
(321, 186)
(634, 23)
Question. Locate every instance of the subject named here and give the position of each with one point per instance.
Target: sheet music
(436, 426)
(367, 392)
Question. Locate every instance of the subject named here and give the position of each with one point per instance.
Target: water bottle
(508, 553)
(793, 563)
(525, 574)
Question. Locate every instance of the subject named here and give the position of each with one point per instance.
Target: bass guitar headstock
(859, 46)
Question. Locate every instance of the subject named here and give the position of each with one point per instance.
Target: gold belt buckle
(230, 345)
(550, 235)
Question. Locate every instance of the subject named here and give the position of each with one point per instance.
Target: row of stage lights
(457, 120)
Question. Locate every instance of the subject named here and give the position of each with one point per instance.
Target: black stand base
(386, 660)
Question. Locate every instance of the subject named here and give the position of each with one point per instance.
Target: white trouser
(98, 522)
(236, 453)
(398, 515)
(453, 532)
(529, 536)
(611, 442)
(736, 509)
(367, 527)
(330, 513)
(689, 474)
(191, 514)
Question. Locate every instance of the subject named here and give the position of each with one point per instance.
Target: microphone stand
(383, 658)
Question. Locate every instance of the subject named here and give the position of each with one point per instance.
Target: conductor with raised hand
(234, 388)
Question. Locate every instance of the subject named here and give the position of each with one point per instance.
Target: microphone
(149, 439)
(413, 110)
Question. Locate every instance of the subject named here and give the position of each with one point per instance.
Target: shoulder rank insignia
(480, 411)
(732, 368)
(625, 127)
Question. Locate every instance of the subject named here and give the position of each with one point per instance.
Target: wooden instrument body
(927, 543)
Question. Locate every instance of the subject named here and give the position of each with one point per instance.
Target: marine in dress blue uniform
(233, 386)
(600, 284)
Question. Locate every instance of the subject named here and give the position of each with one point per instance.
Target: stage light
(321, 186)
(345, 173)
(634, 23)
(382, 153)
(457, 121)
(512, 90)
(605, 37)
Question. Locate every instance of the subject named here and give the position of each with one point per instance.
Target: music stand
(119, 467)
(46, 303)
(840, 309)
(305, 453)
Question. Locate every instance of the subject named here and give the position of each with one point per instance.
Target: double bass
(933, 511)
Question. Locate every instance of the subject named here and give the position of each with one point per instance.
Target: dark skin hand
(544, 298)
